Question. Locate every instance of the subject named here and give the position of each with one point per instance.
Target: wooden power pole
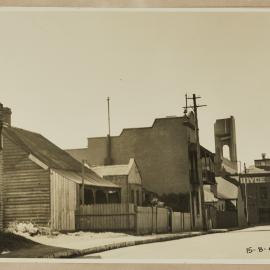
(109, 117)
(83, 176)
(194, 107)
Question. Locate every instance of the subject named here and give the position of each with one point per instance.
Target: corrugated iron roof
(109, 170)
(88, 181)
(50, 154)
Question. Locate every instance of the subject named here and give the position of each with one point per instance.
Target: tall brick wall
(79, 154)
(160, 151)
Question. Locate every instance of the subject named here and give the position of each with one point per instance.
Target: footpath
(79, 244)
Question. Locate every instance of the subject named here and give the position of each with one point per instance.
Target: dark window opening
(114, 197)
(88, 196)
(263, 193)
(101, 197)
(229, 206)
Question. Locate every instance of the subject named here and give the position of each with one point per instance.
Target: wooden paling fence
(152, 220)
(123, 217)
(104, 217)
(180, 222)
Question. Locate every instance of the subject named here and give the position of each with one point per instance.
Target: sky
(57, 68)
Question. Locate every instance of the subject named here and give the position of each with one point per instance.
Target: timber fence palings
(104, 217)
(134, 219)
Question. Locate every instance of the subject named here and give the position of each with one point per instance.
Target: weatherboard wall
(26, 187)
(63, 202)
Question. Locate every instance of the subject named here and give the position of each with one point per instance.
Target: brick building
(255, 185)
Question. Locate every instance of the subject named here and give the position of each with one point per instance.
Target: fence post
(156, 219)
(135, 219)
(183, 221)
(152, 230)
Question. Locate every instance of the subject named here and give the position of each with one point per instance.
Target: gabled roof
(109, 170)
(226, 190)
(50, 154)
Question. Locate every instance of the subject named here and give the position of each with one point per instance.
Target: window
(263, 193)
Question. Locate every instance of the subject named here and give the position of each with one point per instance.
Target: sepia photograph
(134, 135)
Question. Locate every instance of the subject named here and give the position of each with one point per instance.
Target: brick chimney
(5, 115)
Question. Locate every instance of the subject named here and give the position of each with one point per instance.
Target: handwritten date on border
(251, 250)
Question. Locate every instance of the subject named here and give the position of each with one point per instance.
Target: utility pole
(246, 195)
(82, 191)
(186, 107)
(108, 158)
(109, 120)
(194, 107)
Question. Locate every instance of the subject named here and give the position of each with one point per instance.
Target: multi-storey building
(255, 184)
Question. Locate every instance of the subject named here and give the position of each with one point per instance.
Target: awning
(76, 177)
(226, 190)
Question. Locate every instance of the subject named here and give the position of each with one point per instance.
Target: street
(251, 243)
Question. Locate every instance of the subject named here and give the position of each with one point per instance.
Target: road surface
(251, 243)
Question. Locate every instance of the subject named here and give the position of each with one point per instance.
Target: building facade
(255, 185)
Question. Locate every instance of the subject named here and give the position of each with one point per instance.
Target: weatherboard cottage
(41, 183)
